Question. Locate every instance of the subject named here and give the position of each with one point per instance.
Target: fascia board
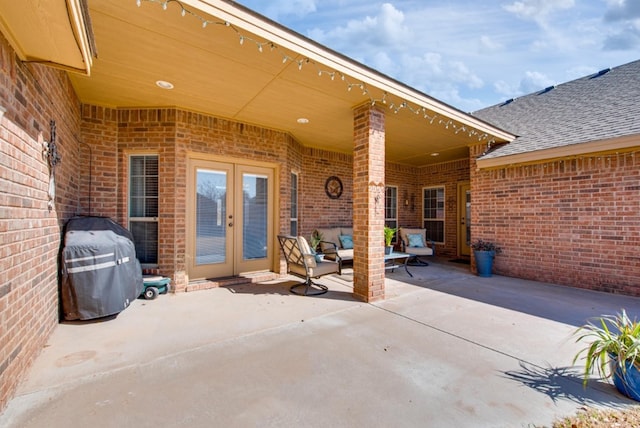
(574, 150)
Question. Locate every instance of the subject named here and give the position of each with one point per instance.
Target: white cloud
(386, 29)
(625, 31)
(534, 81)
(537, 10)
(622, 10)
(278, 8)
(488, 44)
(626, 39)
(459, 72)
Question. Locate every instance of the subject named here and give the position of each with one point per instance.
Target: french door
(229, 219)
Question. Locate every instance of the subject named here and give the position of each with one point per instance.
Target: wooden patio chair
(302, 262)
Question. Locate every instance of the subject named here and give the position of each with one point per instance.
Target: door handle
(230, 224)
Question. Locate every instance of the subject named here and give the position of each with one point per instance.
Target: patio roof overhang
(227, 61)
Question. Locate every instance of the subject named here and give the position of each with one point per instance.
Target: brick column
(368, 203)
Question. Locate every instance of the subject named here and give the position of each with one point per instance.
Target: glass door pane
(211, 213)
(255, 208)
(254, 204)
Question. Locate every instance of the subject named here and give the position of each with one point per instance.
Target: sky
(470, 54)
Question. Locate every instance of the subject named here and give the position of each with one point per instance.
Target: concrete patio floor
(446, 348)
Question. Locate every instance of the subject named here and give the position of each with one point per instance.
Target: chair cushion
(405, 232)
(305, 248)
(331, 235)
(343, 254)
(346, 231)
(324, 268)
(346, 254)
(346, 241)
(416, 240)
(419, 251)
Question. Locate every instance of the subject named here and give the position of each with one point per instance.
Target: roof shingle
(596, 107)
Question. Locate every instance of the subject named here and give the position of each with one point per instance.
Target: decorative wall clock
(333, 187)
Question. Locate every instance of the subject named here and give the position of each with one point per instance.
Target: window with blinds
(143, 206)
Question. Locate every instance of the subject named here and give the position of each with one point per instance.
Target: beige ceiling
(213, 73)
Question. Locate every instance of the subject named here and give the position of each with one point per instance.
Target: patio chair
(302, 262)
(414, 242)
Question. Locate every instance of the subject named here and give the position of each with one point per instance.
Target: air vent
(547, 89)
(601, 73)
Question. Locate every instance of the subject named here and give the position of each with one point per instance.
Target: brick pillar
(368, 203)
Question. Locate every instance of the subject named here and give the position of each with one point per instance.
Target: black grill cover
(101, 275)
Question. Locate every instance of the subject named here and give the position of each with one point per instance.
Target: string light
(395, 107)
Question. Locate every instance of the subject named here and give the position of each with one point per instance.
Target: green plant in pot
(484, 253)
(389, 233)
(612, 351)
(314, 241)
(316, 237)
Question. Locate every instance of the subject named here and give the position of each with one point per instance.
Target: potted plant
(484, 253)
(316, 237)
(314, 241)
(613, 351)
(389, 232)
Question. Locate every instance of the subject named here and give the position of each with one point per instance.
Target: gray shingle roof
(599, 106)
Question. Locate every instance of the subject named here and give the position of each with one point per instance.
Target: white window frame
(440, 208)
(391, 221)
(295, 204)
(131, 220)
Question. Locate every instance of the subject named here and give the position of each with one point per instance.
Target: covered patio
(210, 87)
(446, 348)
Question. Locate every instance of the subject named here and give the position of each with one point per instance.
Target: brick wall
(316, 208)
(573, 222)
(30, 233)
(99, 160)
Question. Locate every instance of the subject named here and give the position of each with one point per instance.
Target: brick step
(249, 278)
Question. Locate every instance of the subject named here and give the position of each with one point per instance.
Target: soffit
(52, 32)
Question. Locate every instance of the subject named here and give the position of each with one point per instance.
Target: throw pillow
(319, 258)
(346, 241)
(415, 240)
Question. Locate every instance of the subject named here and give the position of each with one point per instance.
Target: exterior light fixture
(303, 120)
(164, 84)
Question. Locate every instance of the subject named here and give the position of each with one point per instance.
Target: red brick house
(173, 115)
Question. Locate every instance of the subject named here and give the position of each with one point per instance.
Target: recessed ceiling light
(164, 84)
(434, 154)
(303, 120)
